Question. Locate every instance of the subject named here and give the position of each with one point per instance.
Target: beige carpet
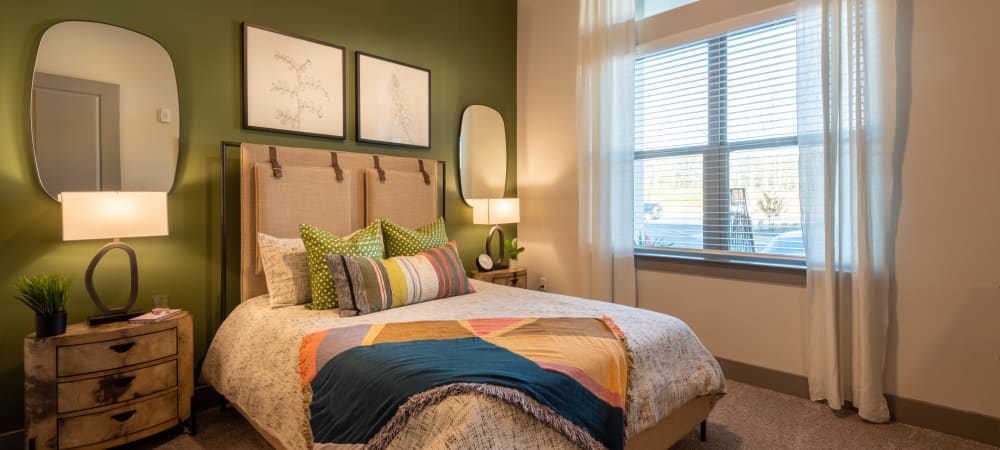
(748, 418)
(753, 418)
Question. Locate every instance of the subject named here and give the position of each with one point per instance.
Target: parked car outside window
(652, 210)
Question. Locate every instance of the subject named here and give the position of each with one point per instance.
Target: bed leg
(703, 435)
(189, 426)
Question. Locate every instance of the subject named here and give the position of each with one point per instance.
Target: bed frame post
(223, 293)
(703, 434)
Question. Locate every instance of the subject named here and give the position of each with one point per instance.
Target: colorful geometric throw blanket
(362, 383)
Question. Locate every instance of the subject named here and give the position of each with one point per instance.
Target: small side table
(106, 385)
(507, 277)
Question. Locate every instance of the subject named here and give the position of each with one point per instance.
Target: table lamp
(113, 215)
(496, 211)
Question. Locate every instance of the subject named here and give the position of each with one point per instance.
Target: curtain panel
(846, 124)
(605, 111)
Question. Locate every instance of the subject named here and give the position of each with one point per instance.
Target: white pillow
(286, 269)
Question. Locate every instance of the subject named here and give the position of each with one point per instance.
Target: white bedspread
(253, 362)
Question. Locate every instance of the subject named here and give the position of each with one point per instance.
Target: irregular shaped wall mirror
(482, 153)
(104, 110)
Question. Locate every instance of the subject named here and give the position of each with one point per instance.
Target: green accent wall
(469, 46)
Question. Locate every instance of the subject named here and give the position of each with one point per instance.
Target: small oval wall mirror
(104, 110)
(482, 153)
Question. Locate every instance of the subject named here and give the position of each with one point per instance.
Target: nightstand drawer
(87, 358)
(103, 426)
(516, 277)
(520, 281)
(119, 387)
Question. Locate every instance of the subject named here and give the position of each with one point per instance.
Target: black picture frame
(361, 120)
(259, 125)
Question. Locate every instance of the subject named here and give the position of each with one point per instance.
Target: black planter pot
(50, 324)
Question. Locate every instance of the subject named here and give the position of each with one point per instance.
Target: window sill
(786, 271)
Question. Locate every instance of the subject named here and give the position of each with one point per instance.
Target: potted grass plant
(513, 250)
(46, 294)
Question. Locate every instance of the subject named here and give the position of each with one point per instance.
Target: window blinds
(716, 152)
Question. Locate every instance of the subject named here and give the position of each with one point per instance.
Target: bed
(253, 360)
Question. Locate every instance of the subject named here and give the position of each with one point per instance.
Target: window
(716, 152)
(646, 8)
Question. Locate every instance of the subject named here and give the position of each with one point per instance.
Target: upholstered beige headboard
(282, 187)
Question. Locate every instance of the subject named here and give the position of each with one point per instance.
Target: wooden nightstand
(508, 277)
(101, 386)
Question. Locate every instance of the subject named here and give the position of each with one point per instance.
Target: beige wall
(945, 338)
(750, 322)
(546, 141)
(947, 343)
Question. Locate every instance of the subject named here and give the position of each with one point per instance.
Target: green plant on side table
(513, 250)
(46, 294)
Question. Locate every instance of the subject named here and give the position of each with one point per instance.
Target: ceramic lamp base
(113, 314)
(498, 258)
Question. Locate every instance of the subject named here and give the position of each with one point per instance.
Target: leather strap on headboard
(378, 167)
(427, 176)
(275, 165)
(336, 167)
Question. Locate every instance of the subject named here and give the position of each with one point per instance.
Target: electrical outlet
(542, 283)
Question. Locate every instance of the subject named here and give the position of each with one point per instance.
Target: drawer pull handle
(123, 381)
(122, 348)
(121, 417)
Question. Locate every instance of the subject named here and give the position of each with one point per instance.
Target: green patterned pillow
(364, 242)
(402, 241)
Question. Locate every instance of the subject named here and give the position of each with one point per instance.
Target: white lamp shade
(495, 211)
(104, 215)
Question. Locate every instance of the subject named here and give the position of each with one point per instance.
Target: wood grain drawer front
(520, 281)
(503, 281)
(104, 426)
(97, 356)
(119, 387)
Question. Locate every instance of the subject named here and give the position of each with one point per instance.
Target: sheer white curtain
(605, 83)
(846, 108)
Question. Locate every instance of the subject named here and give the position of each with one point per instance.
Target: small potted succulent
(513, 250)
(46, 294)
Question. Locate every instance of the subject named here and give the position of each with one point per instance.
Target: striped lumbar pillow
(365, 285)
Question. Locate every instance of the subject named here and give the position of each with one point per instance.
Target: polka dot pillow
(402, 241)
(364, 242)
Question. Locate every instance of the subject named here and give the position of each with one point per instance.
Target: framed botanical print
(293, 84)
(393, 102)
